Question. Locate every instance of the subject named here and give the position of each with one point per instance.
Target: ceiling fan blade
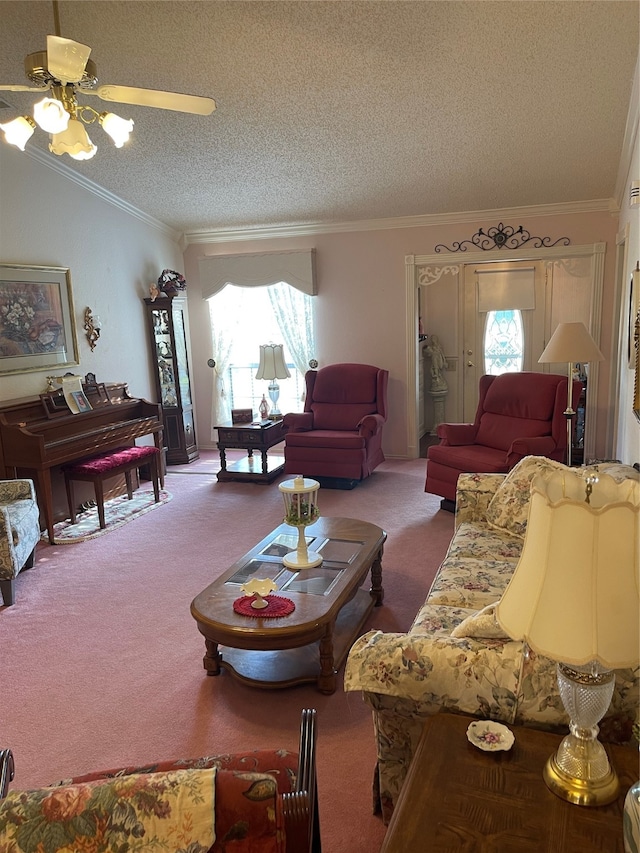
(66, 59)
(156, 98)
(18, 88)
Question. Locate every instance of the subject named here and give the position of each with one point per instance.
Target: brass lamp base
(580, 789)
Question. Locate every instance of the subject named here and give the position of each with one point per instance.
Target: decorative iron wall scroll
(502, 237)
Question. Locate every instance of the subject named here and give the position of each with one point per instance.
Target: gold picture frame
(636, 381)
(634, 307)
(37, 321)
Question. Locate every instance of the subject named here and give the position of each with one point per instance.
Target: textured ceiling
(339, 111)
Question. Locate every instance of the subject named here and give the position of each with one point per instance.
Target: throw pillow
(482, 624)
(509, 507)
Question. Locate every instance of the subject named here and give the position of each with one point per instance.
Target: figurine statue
(438, 364)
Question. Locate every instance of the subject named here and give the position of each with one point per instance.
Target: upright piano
(40, 433)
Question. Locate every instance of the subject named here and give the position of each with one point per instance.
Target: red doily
(278, 606)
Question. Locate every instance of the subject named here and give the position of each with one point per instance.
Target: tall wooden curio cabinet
(166, 320)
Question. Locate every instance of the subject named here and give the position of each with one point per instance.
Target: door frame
(437, 264)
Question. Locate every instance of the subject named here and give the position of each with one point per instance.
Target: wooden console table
(259, 437)
(458, 799)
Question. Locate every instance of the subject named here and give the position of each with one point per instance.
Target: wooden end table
(458, 799)
(255, 436)
(310, 644)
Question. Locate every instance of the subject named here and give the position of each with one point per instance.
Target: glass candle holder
(300, 510)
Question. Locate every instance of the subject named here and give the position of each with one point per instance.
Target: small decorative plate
(490, 736)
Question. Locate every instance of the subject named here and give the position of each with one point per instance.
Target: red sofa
(339, 433)
(518, 415)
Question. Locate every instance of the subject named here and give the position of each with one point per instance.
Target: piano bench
(97, 469)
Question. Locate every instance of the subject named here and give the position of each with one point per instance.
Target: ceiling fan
(65, 70)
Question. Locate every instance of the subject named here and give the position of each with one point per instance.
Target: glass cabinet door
(166, 318)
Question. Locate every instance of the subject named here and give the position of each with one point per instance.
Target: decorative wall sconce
(92, 326)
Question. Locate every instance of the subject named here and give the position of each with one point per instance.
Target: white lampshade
(51, 115)
(571, 342)
(73, 141)
(117, 128)
(19, 131)
(575, 593)
(272, 365)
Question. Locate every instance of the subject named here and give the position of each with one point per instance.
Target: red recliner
(519, 414)
(338, 436)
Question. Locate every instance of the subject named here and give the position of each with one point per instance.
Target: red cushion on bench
(111, 460)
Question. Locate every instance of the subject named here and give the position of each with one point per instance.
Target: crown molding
(629, 141)
(267, 232)
(233, 235)
(47, 160)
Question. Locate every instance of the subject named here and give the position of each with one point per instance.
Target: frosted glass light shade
(117, 128)
(51, 115)
(73, 141)
(574, 595)
(19, 131)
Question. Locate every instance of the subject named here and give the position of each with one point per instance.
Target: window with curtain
(242, 319)
(289, 279)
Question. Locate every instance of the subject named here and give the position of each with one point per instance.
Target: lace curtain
(293, 312)
(291, 278)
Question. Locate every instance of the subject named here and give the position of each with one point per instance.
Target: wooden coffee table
(311, 643)
(463, 799)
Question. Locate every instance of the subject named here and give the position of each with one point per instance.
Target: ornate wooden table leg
(223, 458)
(211, 660)
(377, 590)
(327, 677)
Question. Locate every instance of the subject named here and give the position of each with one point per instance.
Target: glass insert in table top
(337, 554)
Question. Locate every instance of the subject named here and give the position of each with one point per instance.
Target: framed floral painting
(37, 325)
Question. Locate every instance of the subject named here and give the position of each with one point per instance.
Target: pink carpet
(102, 661)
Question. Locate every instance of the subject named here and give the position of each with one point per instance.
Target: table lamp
(574, 597)
(273, 367)
(570, 342)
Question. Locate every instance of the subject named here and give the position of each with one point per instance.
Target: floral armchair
(263, 800)
(19, 532)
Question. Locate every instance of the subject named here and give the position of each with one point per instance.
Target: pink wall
(361, 305)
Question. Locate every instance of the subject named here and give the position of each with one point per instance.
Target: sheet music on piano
(74, 395)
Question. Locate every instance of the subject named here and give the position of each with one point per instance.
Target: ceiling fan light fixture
(51, 115)
(73, 141)
(85, 155)
(19, 131)
(117, 128)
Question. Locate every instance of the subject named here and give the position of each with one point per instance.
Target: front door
(503, 322)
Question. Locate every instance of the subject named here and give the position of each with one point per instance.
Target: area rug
(117, 511)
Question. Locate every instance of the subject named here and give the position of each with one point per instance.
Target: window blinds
(504, 290)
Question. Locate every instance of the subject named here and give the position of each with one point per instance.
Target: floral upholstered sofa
(455, 656)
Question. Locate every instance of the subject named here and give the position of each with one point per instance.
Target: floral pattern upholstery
(205, 805)
(406, 677)
(19, 529)
(114, 815)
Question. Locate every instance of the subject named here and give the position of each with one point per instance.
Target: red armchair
(339, 434)
(519, 414)
(262, 800)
